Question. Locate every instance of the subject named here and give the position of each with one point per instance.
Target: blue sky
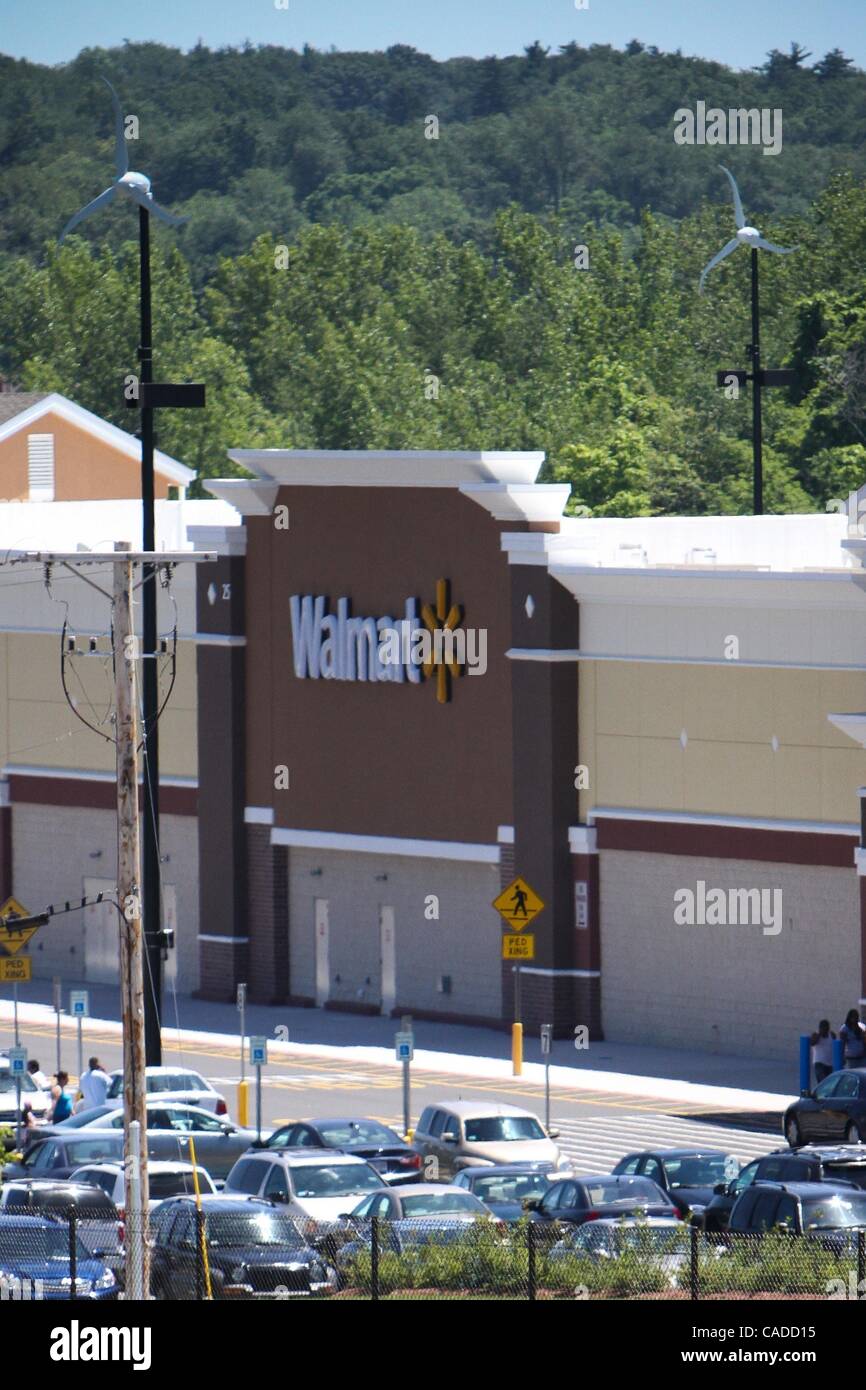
(737, 32)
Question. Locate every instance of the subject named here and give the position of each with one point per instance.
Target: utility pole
(131, 953)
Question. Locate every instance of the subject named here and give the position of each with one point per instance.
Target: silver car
(456, 1134)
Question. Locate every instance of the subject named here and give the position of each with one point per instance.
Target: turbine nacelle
(748, 236)
(132, 180)
(744, 236)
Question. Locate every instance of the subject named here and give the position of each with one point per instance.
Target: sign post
(404, 1044)
(18, 1069)
(258, 1059)
(546, 1040)
(58, 1004)
(243, 1088)
(79, 1007)
(518, 905)
(13, 971)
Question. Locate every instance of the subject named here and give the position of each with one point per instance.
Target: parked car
(688, 1176)
(316, 1186)
(218, 1144)
(58, 1156)
(380, 1146)
(834, 1111)
(507, 1188)
(425, 1200)
(657, 1243)
(165, 1178)
(409, 1237)
(173, 1083)
(32, 1248)
(461, 1132)
(39, 1101)
(813, 1163)
(99, 1222)
(254, 1250)
(822, 1210)
(590, 1197)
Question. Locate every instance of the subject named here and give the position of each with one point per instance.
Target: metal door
(323, 972)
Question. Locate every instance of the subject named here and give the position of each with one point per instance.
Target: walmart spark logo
(445, 647)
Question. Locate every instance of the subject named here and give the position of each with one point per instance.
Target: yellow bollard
(243, 1104)
(517, 1049)
(206, 1261)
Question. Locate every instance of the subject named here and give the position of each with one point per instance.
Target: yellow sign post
(15, 970)
(518, 947)
(518, 904)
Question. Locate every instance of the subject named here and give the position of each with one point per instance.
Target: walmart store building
(669, 706)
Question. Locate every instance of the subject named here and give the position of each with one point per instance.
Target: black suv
(845, 1163)
(825, 1211)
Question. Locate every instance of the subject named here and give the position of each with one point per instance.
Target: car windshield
(625, 1238)
(831, 1213)
(848, 1172)
(38, 1243)
(176, 1081)
(180, 1184)
(432, 1204)
(338, 1134)
(333, 1180)
(82, 1151)
(519, 1188)
(701, 1170)
(7, 1082)
(251, 1228)
(625, 1192)
(498, 1129)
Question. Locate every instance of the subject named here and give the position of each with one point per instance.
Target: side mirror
(532, 1204)
(721, 1189)
(807, 1095)
(553, 1134)
(449, 1137)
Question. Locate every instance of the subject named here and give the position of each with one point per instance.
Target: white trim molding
(385, 844)
(75, 774)
(860, 861)
(583, 839)
(225, 940)
(505, 834)
(520, 501)
(386, 467)
(542, 654)
(552, 973)
(804, 827)
(259, 815)
(218, 639)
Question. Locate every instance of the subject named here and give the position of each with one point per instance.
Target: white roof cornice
(249, 496)
(520, 501)
(389, 467)
(109, 434)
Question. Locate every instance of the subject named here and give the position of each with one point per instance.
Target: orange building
(52, 450)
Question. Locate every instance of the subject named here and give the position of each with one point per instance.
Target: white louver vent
(40, 467)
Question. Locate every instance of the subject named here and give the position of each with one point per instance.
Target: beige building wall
(84, 466)
(725, 988)
(632, 716)
(37, 727)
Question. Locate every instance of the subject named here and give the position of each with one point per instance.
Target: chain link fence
(74, 1253)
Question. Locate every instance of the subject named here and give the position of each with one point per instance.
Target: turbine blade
(121, 153)
(779, 250)
(720, 256)
(101, 202)
(738, 206)
(153, 206)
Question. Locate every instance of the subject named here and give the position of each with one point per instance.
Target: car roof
(473, 1110)
(31, 1222)
(615, 1222)
(679, 1153)
(320, 1120)
(509, 1170)
(228, 1200)
(163, 1070)
(810, 1189)
(601, 1177)
(426, 1189)
(154, 1165)
(300, 1156)
(47, 1184)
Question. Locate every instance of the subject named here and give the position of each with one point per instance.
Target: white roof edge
(389, 467)
(520, 501)
(103, 429)
(249, 496)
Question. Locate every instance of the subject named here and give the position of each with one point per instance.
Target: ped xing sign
(15, 970)
(11, 939)
(517, 947)
(518, 904)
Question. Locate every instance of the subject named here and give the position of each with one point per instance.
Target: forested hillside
(344, 281)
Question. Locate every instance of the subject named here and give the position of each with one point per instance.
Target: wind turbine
(135, 186)
(751, 237)
(149, 395)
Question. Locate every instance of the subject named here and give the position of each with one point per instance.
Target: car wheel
(853, 1134)
(793, 1133)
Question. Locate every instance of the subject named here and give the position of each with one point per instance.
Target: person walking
(94, 1084)
(822, 1050)
(61, 1108)
(38, 1077)
(853, 1035)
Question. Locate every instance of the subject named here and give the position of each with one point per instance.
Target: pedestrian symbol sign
(518, 904)
(11, 939)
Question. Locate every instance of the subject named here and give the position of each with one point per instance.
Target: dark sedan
(830, 1213)
(831, 1163)
(218, 1143)
(835, 1111)
(381, 1147)
(253, 1250)
(58, 1157)
(688, 1176)
(507, 1187)
(587, 1197)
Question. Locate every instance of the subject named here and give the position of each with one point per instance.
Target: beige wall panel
(617, 698)
(842, 692)
(586, 735)
(45, 733)
(617, 782)
(843, 770)
(796, 783)
(661, 700)
(800, 709)
(661, 773)
(731, 989)
(728, 779)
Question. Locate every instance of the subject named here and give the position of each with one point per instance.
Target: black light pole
(757, 438)
(150, 859)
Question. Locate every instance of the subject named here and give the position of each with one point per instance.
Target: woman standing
(853, 1035)
(62, 1107)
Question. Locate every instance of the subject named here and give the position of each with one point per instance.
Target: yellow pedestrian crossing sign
(515, 946)
(518, 904)
(11, 939)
